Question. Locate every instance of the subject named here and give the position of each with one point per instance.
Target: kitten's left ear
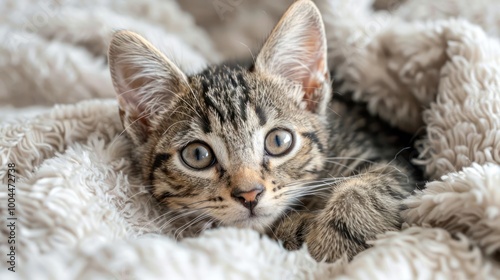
(296, 50)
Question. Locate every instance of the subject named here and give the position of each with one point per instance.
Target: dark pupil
(200, 154)
(278, 140)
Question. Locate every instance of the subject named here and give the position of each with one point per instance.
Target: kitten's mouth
(252, 215)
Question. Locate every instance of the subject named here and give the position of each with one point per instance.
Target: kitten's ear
(296, 50)
(145, 81)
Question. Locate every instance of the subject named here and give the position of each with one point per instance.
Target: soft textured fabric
(83, 214)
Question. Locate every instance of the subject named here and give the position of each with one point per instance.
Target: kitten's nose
(250, 198)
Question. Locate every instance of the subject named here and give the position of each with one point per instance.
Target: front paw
(356, 212)
(292, 229)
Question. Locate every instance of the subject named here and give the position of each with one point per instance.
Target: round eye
(278, 142)
(197, 155)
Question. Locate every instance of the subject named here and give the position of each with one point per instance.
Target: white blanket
(82, 214)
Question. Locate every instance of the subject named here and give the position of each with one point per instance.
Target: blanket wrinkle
(82, 212)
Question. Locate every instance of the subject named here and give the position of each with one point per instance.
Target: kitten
(243, 145)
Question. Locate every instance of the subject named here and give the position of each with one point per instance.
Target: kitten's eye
(278, 142)
(197, 155)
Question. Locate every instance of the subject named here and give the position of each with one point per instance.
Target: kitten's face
(230, 144)
(233, 132)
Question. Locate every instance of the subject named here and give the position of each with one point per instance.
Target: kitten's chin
(258, 223)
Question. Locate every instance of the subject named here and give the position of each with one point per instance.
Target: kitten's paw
(356, 212)
(292, 229)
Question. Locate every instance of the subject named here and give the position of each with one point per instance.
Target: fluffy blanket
(81, 214)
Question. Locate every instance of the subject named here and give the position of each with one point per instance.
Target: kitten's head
(231, 144)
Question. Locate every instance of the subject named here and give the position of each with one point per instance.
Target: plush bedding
(82, 213)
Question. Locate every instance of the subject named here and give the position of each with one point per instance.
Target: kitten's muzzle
(248, 199)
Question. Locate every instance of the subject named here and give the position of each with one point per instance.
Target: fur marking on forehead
(226, 92)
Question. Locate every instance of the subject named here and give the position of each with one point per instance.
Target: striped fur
(344, 178)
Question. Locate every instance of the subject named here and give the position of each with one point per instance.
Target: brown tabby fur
(340, 169)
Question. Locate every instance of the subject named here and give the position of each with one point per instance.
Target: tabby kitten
(244, 145)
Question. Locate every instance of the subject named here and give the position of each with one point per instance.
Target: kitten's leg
(358, 209)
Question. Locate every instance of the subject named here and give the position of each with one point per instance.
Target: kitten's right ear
(296, 50)
(145, 81)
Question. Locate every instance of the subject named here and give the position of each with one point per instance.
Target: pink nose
(248, 199)
(250, 196)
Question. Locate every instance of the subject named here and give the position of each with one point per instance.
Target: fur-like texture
(230, 110)
(81, 215)
(231, 115)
